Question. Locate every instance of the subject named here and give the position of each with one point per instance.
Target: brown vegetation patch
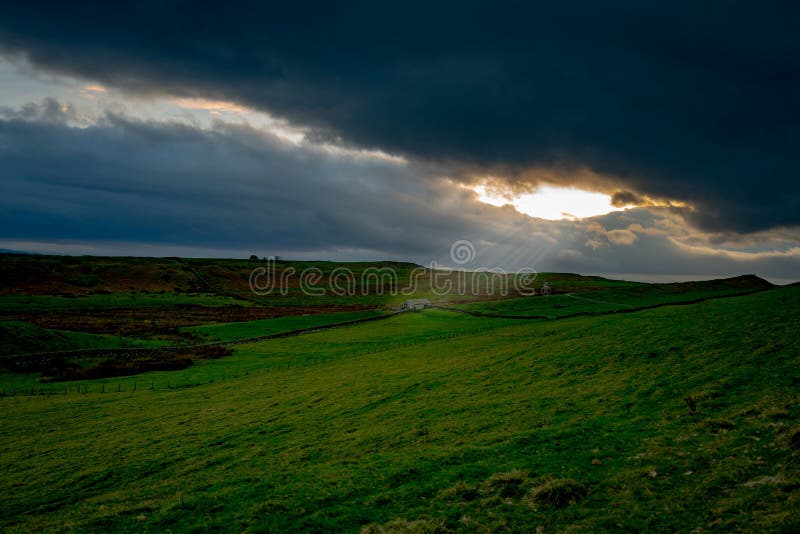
(164, 322)
(60, 369)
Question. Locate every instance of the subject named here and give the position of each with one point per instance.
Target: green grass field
(434, 421)
(605, 300)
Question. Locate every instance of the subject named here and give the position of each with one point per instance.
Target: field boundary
(598, 313)
(212, 287)
(111, 385)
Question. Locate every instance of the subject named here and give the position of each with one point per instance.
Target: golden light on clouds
(209, 105)
(95, 88)
(550, 202)
(257, 119)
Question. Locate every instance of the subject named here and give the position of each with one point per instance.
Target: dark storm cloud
(688, 101)
(231, 187)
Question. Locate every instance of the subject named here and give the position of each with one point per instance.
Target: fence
(601, 312)
(44, 357)
(132, 385)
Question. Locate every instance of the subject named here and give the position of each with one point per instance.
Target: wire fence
(182, 380)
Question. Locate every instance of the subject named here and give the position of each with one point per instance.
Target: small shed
(416, 304)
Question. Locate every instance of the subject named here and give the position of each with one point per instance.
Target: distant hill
(11, 251)
(34, 274)
(746, 281)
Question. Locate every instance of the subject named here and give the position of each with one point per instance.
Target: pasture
(431, 421)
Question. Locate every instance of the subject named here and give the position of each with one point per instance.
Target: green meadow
(678, 418)
(619, 297)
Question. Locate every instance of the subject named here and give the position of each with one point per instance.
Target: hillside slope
(437, 421)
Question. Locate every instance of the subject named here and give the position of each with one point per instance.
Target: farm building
(416, 304)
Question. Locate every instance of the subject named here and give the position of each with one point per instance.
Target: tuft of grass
(718, 425)
(555, 493)
(402, 526)
(461, 492)
(509, 485)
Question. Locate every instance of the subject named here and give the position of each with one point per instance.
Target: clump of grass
(556, 493)
(402, 526)
(775, 413)
(510, 484)
(461, 492)
(718, 425)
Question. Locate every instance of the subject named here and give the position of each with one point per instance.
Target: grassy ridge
(615, 298)
(498, 426)
(374, 283)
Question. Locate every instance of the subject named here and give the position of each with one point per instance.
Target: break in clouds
(123, 184)
(687, 112)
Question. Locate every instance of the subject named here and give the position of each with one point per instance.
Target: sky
(652, 142)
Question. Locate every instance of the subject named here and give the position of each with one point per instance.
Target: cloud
(625, 198)
(684, 101)
(209, 105)
(121, 185)
(622, 237)
(49, 110)
(229, 188)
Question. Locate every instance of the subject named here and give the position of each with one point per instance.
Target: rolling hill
(674, 418)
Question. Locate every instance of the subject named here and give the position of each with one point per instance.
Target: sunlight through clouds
(552, 203)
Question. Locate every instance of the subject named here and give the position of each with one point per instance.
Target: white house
(416, 304)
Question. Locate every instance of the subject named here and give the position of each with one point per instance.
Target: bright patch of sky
(551, 203)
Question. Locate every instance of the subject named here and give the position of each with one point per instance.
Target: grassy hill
(434, 421)
(627, 296)
(169, 300)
